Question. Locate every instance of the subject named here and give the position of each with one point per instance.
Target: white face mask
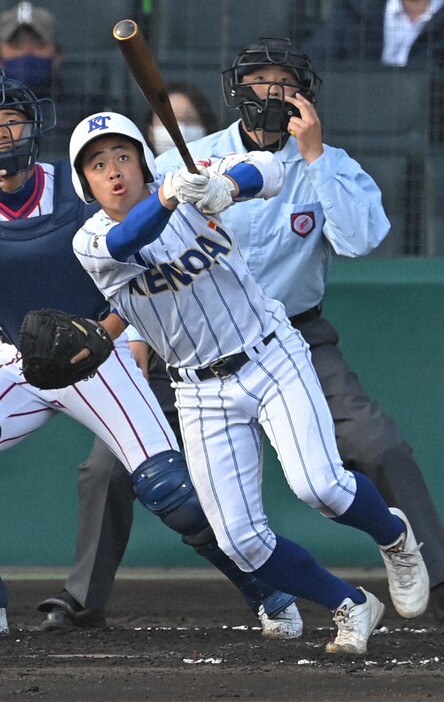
(162, 140)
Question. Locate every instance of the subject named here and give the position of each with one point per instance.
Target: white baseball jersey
(192, 296)
(189, 293)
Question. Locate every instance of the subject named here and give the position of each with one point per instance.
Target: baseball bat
(149, 79)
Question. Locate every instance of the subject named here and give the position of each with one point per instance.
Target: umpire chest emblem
(302, 223)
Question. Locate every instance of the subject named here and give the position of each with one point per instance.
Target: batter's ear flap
(145, 153)
(147, 175)
(89, 197)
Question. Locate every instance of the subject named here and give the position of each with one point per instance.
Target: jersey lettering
(172, 272)
(212, 247)
(148, 283)
(182, 271)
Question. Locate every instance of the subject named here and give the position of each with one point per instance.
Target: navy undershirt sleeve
(142, 225)
(248, 179)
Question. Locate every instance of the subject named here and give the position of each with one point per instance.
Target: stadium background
(388, 307)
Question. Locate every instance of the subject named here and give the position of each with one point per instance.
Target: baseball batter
(38, 270)
(238, 366)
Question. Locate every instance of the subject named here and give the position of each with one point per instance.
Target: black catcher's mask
(271, 114)
(40, 117)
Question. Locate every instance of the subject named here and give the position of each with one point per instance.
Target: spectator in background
(194, 115)
(394, 32)
(28, 48)
(31, 53)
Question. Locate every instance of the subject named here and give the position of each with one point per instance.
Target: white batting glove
(218, 195)
(186, 186)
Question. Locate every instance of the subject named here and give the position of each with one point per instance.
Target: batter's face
(112, 168)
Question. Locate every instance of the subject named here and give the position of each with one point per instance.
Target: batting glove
(218, 195)
(186, 186)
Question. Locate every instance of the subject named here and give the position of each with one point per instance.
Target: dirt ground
(192, 638)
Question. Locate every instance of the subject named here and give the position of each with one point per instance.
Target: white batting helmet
(102, 124)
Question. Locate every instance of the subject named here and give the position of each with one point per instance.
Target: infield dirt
(173, 637)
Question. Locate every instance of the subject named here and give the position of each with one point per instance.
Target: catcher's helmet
(271, 114)
(40, 117)
(103, 124)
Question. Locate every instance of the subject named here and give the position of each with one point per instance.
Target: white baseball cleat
(285, 625)
(408, 579)
(4, 629)
(355, 623)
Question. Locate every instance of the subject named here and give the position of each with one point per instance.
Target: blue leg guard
(163, 486)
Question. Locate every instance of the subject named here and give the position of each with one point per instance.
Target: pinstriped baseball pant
(223, 422)
(116, 404)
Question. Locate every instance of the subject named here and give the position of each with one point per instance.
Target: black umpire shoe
(437, 605)
(64, 612)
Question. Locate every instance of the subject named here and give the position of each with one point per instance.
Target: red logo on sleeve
(302, 223)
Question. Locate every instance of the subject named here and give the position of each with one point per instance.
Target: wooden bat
(149, 79)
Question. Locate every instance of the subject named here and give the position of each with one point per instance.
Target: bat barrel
(149, 79)
(125, 29)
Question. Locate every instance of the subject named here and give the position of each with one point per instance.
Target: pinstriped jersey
(189, 293)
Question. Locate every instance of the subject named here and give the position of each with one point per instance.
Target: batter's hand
(219, 195)
(306, 128)
(185, 186)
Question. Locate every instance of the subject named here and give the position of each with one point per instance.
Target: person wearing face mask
(193, 112)
(288, 243)
(28, 48)
(31, 53)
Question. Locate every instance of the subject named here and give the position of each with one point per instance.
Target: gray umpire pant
(370, 442)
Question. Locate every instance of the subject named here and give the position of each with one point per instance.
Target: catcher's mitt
(50, 338)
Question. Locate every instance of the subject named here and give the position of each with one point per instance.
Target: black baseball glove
(50, 338)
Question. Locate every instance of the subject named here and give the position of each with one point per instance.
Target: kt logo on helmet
(303, 223)
(99, 122)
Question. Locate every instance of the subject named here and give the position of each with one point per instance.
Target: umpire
(288, 242)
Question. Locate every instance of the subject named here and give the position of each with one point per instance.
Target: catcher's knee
(163, 485)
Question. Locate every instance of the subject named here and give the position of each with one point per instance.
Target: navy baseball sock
(291, 568)
(369, 512)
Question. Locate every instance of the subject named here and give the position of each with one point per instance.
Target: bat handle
(188, 161)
